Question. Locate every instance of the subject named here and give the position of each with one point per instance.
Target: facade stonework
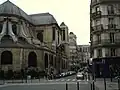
(30, 40)
(105, 36)
(83, 54)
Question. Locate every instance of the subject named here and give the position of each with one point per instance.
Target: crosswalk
(67, 80)
(61, 80)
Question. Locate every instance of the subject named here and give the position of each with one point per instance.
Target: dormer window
(1, 26)
(14, 28)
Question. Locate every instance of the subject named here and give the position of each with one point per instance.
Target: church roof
(43, 18)
(8, 8)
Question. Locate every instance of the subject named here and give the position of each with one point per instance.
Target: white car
(80, 75)
(72, 72)
(63, 74)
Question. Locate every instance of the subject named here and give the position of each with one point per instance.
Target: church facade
(30, 40)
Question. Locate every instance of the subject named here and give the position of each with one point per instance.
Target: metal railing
(106, 42)
(98, 27)
(112, 26)
(96, 15)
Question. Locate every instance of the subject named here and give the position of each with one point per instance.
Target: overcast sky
(75, 14)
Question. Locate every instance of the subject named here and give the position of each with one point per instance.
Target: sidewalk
(99, 84)
(109, 85)
(22, 81)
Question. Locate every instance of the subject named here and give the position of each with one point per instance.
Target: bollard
(105, 83)
(3, 80)
(66, 86)
(26, 79)
(22, 79)
(39, 78)
(77, 85)
(118, 84)
(93, 87)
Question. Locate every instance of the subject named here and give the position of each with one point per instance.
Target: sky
(74, 13)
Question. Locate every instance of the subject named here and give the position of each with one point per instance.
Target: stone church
(31, 40)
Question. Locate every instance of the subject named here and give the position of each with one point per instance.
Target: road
(56, 84)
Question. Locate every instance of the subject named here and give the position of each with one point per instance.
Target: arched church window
(1, 26)
(40, 36)
(14, 28)
(6, 58)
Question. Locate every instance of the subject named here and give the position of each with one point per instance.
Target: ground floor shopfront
(106, 67)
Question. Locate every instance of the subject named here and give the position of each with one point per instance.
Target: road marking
(74, 80)
(68, 80)
(23, 84)
(63, 80)
(57, 80)
(50, 80)
(79, 80)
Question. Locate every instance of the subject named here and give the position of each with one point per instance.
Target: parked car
(57, 76)
(80, 75)
(72, 72)
(63, 74)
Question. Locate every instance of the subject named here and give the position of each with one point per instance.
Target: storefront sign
(101, 62)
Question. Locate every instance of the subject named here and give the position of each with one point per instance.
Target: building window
(80, 49)
(6, 58)
(99, 52)
(58, 37)
(111, 37)
(97, 8)
(1, 26)
(112, 52)
(97, 22)
(111, 24)
(110, 20)
(110, 9)
(32, 59)
(46, 60)
(53, 28)
(99, 38)
(14, 28)
(40, 36)
(63, 34)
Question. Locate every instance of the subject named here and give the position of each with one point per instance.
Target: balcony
(103, 1)
(98, 27)
(96, 15)
(106, 42)
(111, 26)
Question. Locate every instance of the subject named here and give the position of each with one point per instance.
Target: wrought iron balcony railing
(98, 27)
(102, 1)
(111, 26)
(106, 42)
(96, 15)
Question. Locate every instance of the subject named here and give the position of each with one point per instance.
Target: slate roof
(8, 43)
(43, 18)
(8, 8)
